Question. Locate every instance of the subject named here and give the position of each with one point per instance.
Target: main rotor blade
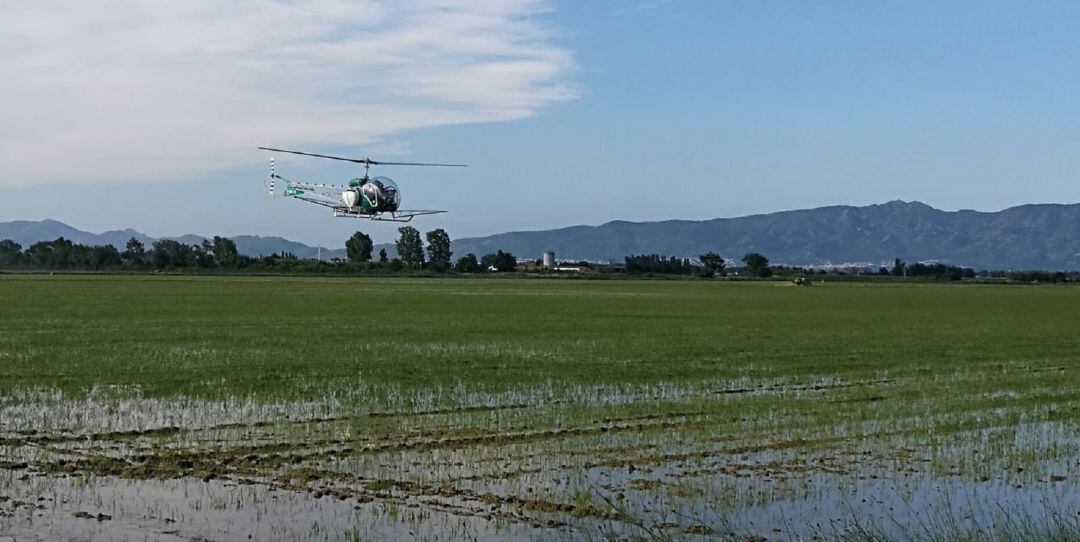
(373, 162)
(354, 160)
(366, 161)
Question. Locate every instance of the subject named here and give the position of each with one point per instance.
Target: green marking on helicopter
(290, 190)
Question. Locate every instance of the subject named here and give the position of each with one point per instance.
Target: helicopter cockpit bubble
(382, 194)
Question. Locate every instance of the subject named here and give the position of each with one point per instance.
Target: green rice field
(290, 408)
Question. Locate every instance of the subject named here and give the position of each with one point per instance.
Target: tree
(204, 254)
(104, 257)
(501, 261)
(713, 263)
(438, 249)
(134, 253)
(225, 253)
(467, 264)
(10, 253)
(382, 255)
(939, 271)
(654, 263)
(899, 268)
(505, 262)
(40, 255)
(358, 247)
(410, 248)
(169, 253)
(58, 254)
(757, 264)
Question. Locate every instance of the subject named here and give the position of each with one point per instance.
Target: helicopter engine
(374, 195)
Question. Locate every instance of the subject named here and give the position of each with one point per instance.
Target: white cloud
(148, 90)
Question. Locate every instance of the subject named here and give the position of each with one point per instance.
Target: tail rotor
(271, 182)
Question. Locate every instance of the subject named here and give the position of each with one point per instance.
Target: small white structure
(549, 260)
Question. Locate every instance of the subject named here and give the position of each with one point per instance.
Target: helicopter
(373, 198)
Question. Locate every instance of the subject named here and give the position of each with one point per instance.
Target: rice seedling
(300, 408)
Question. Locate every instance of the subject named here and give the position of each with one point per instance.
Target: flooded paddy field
(203, 408)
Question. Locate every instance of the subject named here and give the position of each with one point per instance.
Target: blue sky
(604, 110)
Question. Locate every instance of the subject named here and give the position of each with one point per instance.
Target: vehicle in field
(373, 198)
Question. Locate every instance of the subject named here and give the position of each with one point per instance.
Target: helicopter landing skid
(395, 216)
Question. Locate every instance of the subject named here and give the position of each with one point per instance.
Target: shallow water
(578, 463)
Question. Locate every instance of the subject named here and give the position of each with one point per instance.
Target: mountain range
(1039, 236)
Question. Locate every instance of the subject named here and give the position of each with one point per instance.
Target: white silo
(549, 260)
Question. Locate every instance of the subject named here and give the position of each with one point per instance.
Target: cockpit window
(389, 193)
(371, 194)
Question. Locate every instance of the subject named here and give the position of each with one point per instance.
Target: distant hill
(254, 245)
(1044, 236)
(27, 233)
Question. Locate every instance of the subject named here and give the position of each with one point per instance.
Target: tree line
(63, 254)
(221, 253)
(928, 270)
(436, 256)
(411, 253)
(757, 265)
(709, 264)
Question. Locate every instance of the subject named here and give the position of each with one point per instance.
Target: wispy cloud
(142, 90)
